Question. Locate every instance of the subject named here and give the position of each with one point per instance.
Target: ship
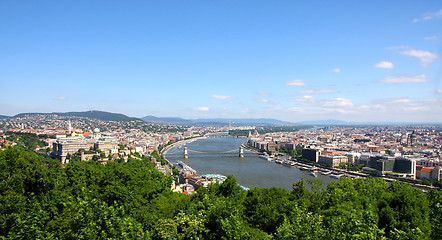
(313, 171)
(337, 176)
(288, 164)
(266, 158)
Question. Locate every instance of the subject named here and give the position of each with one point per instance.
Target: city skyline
(361, 62)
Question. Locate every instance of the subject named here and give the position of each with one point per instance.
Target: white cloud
(245, 111)
(296, 109)
(415, 108)
(406, 79)
(262, 100)
(221, 97)
(60, 98)
(297, 82)
(439, 91)
(424, 56)
(401, 100)
(337, 70)
(428, 16)
(384, 64)
(306, 100)
(318, 91)
(338, 102)
(431, 38)
(202, 109)
(264, 94)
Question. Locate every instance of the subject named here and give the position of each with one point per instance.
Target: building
(310, 154)
(332, 158)
(70, 145)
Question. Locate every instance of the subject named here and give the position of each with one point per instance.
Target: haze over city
(293, 61)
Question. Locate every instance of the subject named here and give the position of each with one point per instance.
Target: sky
(290, 60)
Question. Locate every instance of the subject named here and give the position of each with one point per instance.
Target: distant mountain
(245, 121)
(217, 121)
(100, 115)
(329, 122)
(3, 116)
(332, 122)
(168, 120)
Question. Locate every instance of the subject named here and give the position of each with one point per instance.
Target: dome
(96, 130)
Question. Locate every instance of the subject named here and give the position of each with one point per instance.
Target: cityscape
(408, 153)
(221, 120)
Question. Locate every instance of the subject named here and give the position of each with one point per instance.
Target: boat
(278, 161)
(337, 176)
(264, 157)
(304, 168)
(313, 174)
(288, 164)
(326, 173)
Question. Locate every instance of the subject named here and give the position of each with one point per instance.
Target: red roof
(427, 169)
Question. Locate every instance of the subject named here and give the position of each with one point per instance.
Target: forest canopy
(40, 199)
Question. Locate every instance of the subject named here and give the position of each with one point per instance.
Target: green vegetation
(295, 153)
(264, 130)
(86, 200)
(104, 116)
(27, 140)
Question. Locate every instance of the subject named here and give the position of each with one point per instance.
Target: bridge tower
(186, 155)
(241, 152)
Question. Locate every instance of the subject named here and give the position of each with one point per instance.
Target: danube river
(219, 154)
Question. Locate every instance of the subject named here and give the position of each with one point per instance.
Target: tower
(186, 155)
(69, 127)
(241, 152)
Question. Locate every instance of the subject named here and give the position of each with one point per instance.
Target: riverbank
(182, 142)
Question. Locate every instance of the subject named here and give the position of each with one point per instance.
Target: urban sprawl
(407, 153)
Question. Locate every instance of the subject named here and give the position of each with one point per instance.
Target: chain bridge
(240, 152)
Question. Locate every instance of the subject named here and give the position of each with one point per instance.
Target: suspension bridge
(239, 152)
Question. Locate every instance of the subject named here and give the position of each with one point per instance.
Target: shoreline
(168, 148)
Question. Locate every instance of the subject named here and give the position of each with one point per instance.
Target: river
(219, 154)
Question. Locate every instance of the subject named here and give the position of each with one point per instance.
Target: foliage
(27, 140)
(87, 200)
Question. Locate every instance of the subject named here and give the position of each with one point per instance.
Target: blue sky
(290, 60)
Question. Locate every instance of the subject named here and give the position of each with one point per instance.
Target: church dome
(96, 130)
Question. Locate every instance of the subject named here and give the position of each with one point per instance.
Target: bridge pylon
(241, 152)
(186, 155)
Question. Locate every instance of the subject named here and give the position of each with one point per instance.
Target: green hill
(101, 115)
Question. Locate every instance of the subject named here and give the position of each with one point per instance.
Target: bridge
(239, 152)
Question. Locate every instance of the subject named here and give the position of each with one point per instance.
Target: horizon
(356, 62)
(310, 121)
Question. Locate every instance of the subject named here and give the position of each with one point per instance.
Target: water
(219, 154)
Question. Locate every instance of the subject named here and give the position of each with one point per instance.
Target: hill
(166, 120)
(3, 116)
(100, 115)
(328, 122)
(218, 121)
